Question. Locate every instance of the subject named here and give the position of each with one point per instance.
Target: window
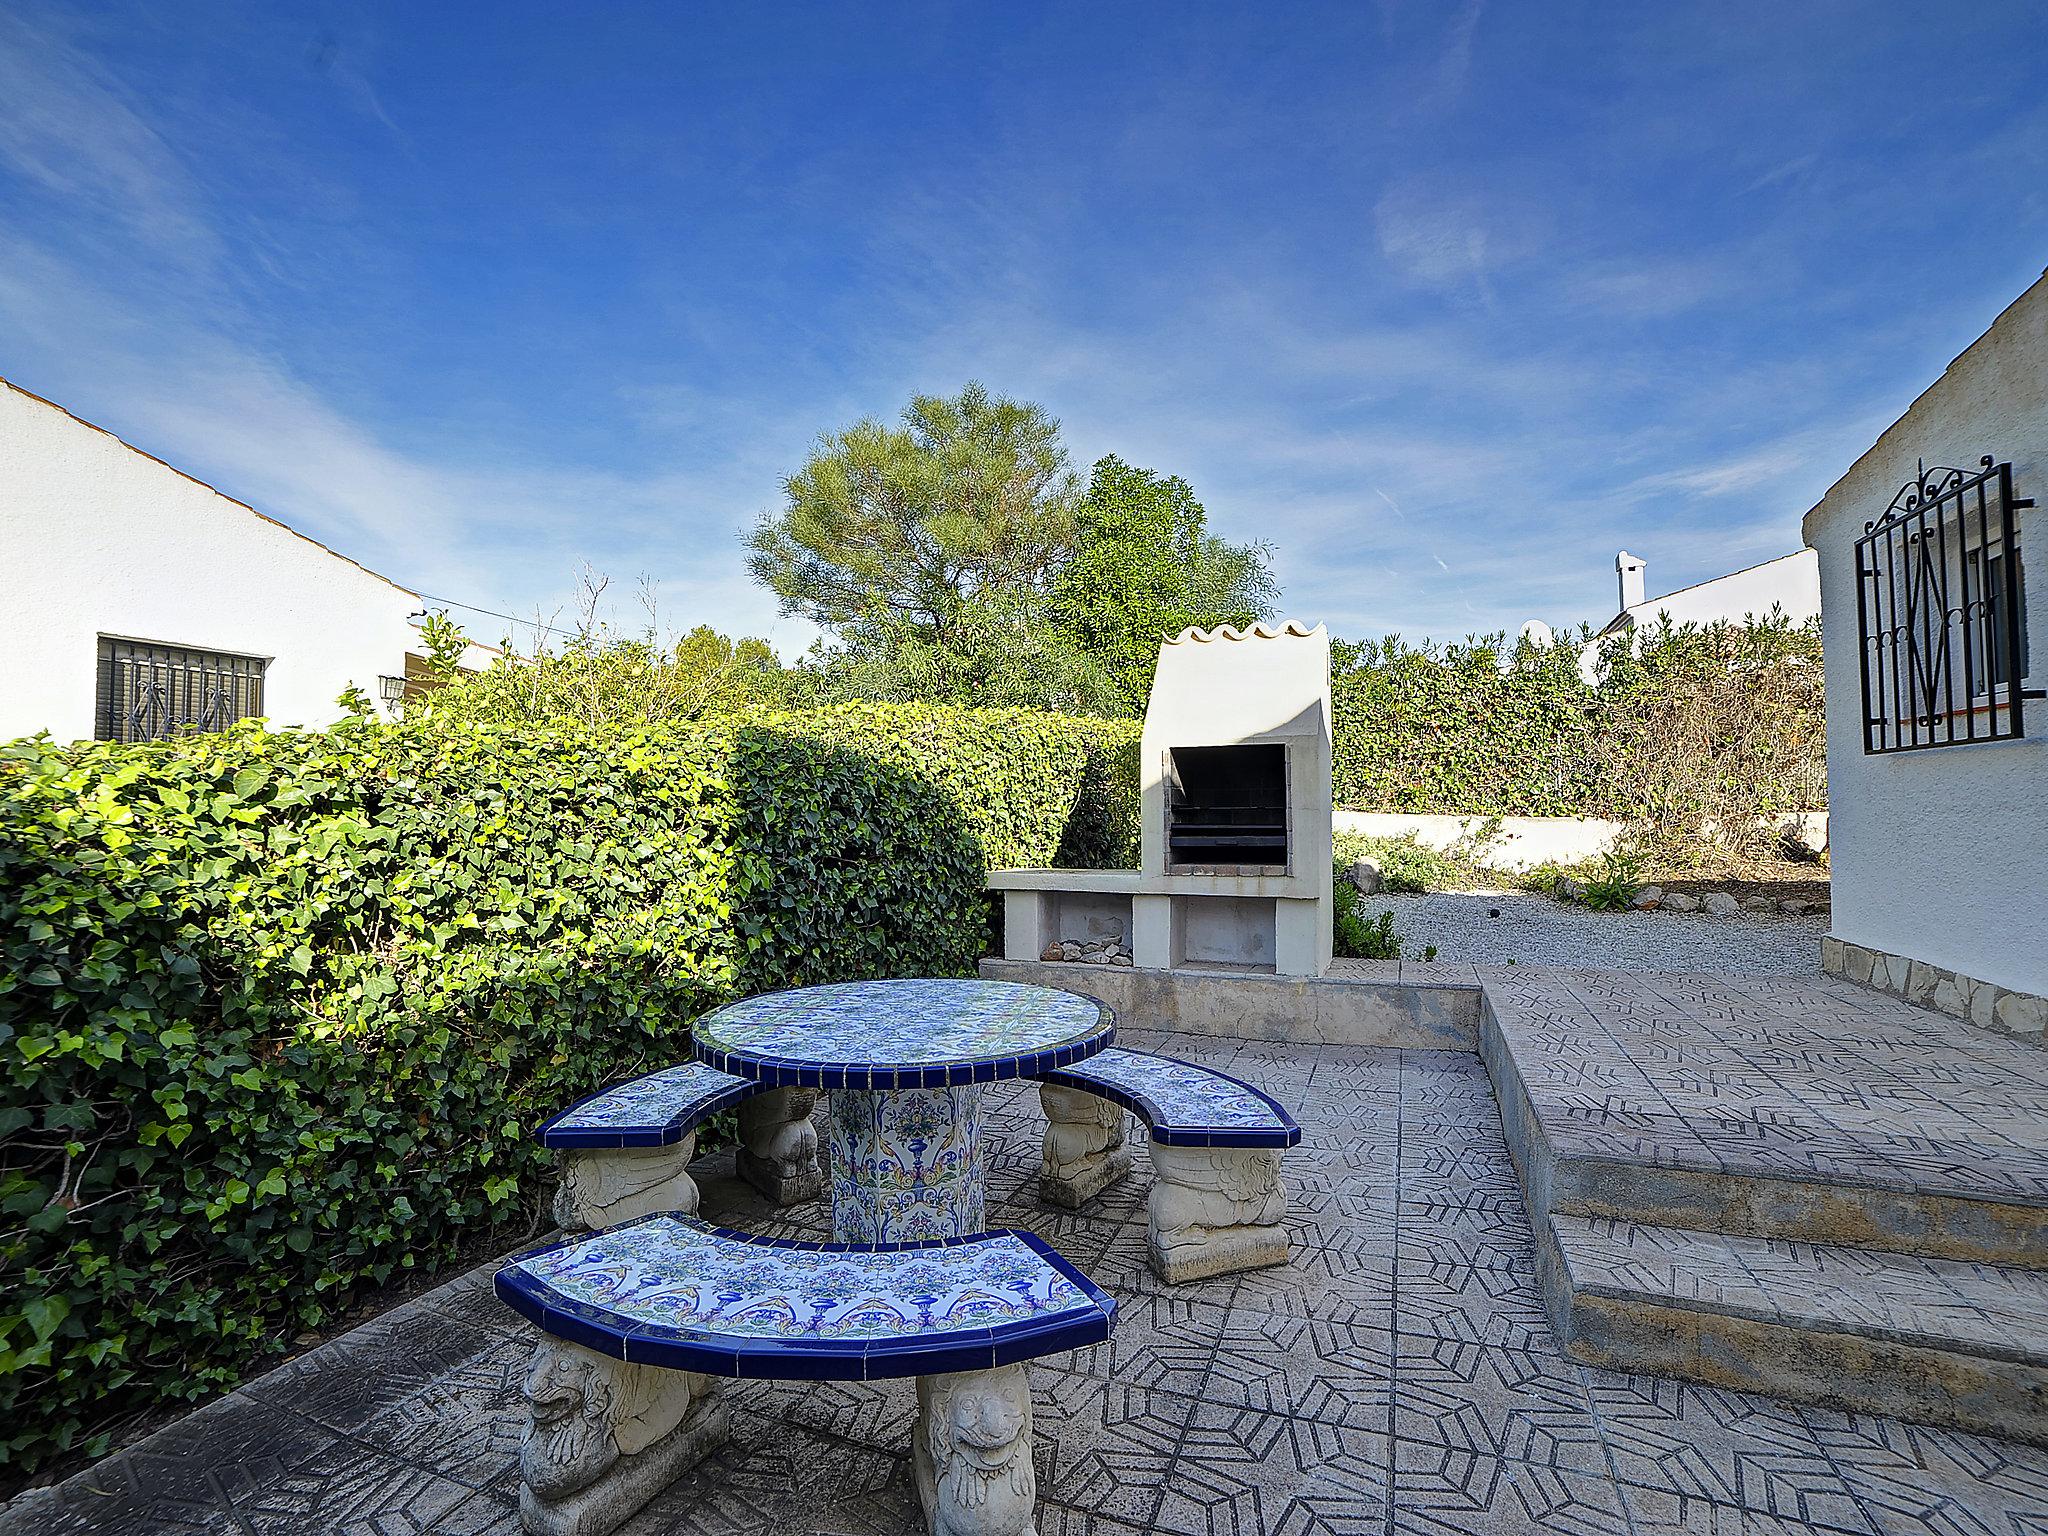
(148, 691)
(1995, 649)
(1941, 613)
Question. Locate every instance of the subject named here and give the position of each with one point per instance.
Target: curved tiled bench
(1216, 1204)
(640, 1318)
(625, 1151)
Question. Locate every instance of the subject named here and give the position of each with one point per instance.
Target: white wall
(1523, 842)
(98, 538)
(1942, 855)
(1790, 582)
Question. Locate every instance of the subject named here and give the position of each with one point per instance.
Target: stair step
(1930, 1339)
(1593, 1136)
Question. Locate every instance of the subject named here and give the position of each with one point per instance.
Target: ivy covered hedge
(1688, 726)
(277, 1012)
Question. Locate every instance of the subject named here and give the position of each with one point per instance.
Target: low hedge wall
(278, 1011)
(1686, 726)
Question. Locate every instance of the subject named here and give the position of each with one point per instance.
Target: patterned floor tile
(1909, 1477)
(1522, 1405)
(1245, 1473)
(1398, 1375)
(1445, 1491)
(1696, 1443)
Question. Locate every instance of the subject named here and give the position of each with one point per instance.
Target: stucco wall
(1787, 582)
(1942, 855)
(97, 538)
(1790, 583)
(1523, 842)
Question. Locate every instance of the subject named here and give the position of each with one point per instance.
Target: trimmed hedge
(278, 1010)
(1690, 726)
(1451, 731)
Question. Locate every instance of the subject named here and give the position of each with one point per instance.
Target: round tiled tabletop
(887, 1035)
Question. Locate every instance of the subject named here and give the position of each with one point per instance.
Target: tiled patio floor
(1398, 1376)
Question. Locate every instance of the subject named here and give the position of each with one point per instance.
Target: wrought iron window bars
(148, 691)
(1940, 612)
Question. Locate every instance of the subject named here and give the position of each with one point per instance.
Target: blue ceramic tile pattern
(656, 1110)
(676, 1291)
(1182, 1104)
(907, 1166)
(884, 1035)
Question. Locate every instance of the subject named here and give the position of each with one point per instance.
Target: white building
(1937, 650)
(1789, 584)
(141, 601)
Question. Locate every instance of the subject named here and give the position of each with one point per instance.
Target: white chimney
(1630, 569)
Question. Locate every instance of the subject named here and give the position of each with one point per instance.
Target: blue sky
(1446, 301)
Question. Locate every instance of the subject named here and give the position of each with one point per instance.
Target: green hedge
(1450, 731)
(278, 1011)
(1690, 724)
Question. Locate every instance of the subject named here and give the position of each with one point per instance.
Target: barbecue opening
(1226, 808)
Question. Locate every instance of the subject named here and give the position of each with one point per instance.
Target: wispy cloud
(1444, 309)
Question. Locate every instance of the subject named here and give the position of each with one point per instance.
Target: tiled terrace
(1399, 1375)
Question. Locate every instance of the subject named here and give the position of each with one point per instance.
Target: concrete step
(1932, 1340)
(1598, 1133)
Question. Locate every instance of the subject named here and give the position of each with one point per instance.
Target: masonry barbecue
(1235, 869)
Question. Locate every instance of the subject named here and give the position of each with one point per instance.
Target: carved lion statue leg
(971, 1453)
(601, 1187)
(1084, 1146)
(778, 1151)
(604, 1437)
(1215, 1210)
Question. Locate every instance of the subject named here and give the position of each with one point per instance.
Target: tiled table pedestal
(907, 1165)
(905, 1063)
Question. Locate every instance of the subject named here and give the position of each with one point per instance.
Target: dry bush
(1712, 738)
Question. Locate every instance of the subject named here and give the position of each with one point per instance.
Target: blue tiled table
(905, 1063)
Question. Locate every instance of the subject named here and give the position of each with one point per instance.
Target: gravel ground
(1536, 930)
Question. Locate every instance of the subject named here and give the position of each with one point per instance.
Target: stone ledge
(1319, 1010)
(1985, 1004)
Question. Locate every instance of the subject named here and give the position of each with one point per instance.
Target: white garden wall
(1941, 855)
(1523, 842)
(98, 538)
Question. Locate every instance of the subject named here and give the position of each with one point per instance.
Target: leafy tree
(999, 651)
(889, 534)
(1146, 566)
(599, 675)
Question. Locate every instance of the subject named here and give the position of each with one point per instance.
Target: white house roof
(224, 496)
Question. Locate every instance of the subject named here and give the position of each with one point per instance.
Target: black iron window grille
(1941, 613)
(148, 691)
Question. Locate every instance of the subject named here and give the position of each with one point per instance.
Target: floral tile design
(1184, 1105)
(656, 1110)
(907, 1166)
(684, 1276)
(903, 1034)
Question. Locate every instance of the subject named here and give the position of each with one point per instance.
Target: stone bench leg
(1084, 1146)
(603, 1437)
(778, 1152)
(970, 1453)
(1215, 1210)
(601, 1187)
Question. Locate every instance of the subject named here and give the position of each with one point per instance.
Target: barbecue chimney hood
(1234, 870)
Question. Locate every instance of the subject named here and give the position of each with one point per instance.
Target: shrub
(1700, 738)
(1408, 865)
(277, 1012)
(1615, 886)
(1357, 937)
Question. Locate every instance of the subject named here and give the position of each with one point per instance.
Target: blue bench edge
(551, 1134)
(714, 1354)
(1157, 1125)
